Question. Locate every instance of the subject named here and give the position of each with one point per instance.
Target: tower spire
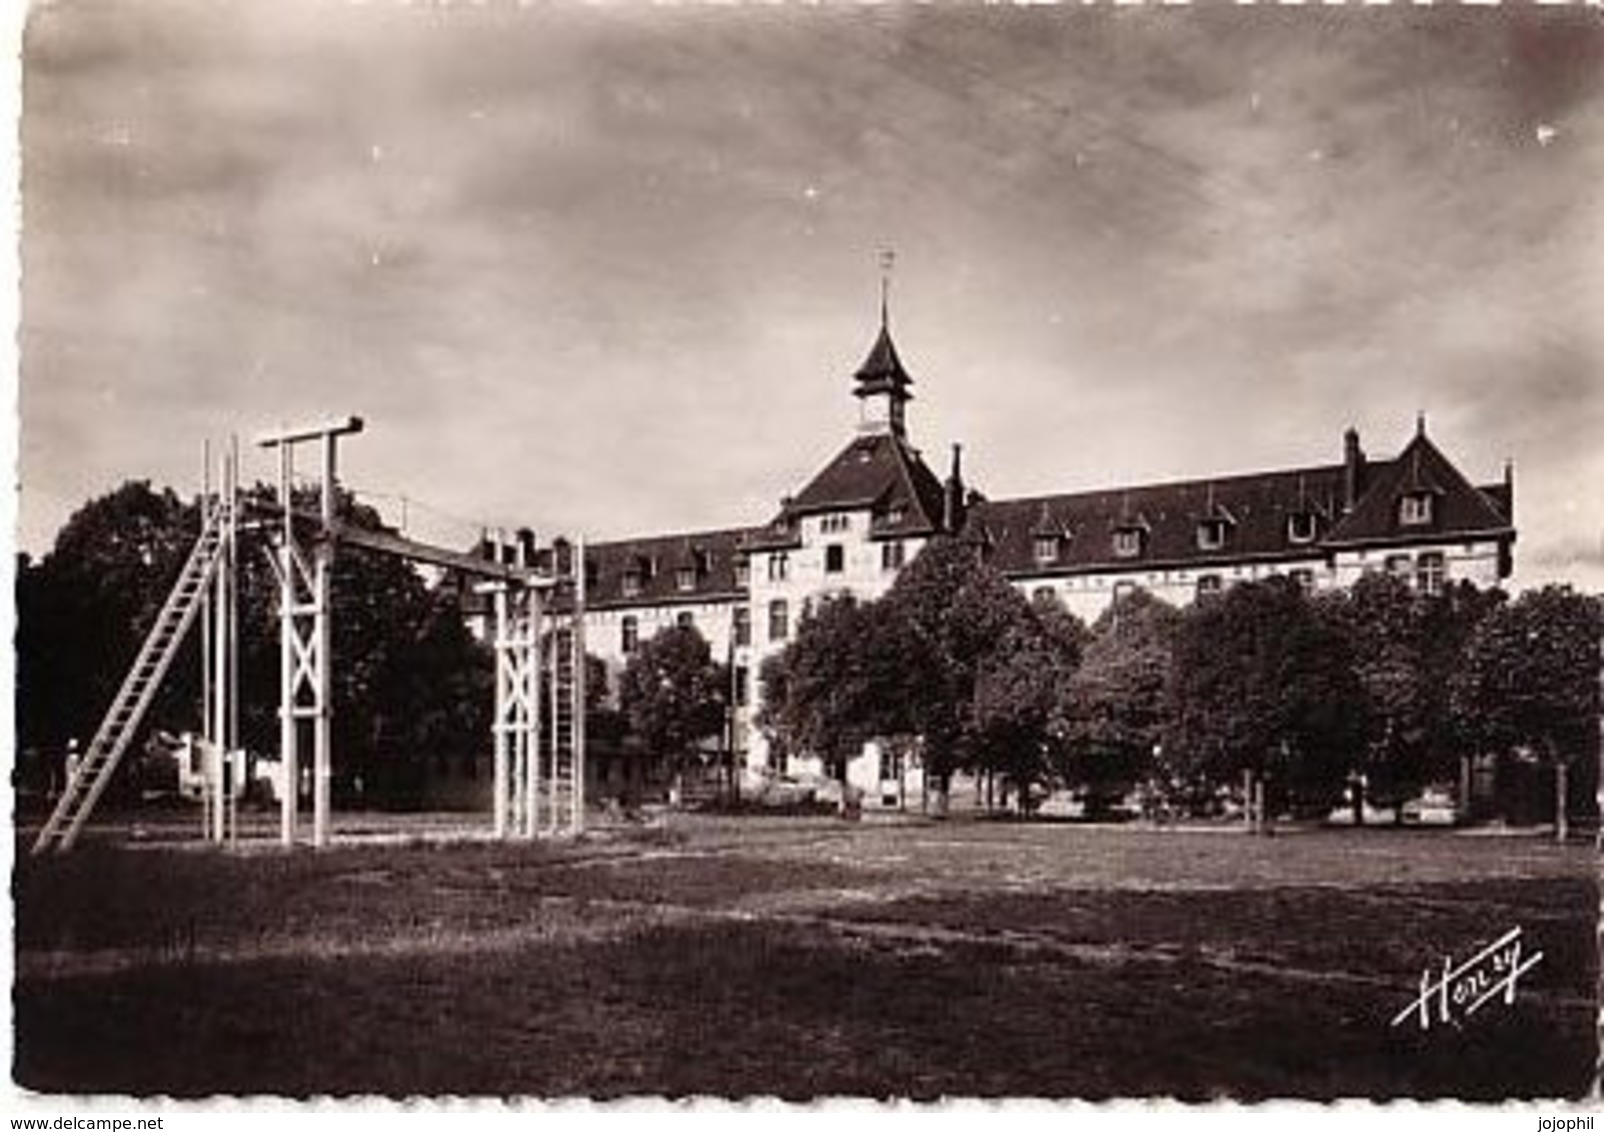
(888, 259)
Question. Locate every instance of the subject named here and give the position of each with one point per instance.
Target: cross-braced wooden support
(304, 574)
(516, 726)
(538, 770)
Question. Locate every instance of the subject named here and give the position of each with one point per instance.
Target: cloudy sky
(608, 269)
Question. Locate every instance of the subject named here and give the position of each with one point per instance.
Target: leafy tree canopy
(673, 693)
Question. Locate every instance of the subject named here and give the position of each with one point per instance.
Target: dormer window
(1414, 509)
(631, 583)
(1128, 542)
(1301, 526)
(743, 570)
(1045, 548)
(1211, 534)
(685, 579)
(779, 567)
(896, 513)
(704, 562)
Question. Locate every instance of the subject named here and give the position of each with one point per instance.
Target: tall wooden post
(499, 794)
(288, 726)
(530, 733)
(576, 760)
(322, 756)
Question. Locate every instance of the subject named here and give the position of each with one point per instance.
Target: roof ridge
(1170, 484)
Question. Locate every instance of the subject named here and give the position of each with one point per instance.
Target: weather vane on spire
(887, 259)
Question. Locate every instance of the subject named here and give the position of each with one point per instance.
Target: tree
(1530, 679)
(1262, 681)
(1110, 714)
(674, 694)
(1405, 647)
(954, 609)
(1019, 684)
(84, 609)
(843, 680)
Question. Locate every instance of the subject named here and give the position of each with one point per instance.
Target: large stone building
(873, 506)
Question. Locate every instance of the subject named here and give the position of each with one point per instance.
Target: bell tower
(882, 383)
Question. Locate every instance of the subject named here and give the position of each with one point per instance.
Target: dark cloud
(610, 267)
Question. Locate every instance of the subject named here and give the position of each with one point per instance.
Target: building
(873, 506)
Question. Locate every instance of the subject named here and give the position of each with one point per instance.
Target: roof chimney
(1353, 470)
(952, 503)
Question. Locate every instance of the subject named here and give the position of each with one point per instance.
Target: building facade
(871, 509)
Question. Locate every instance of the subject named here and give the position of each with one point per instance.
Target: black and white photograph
(807, 552)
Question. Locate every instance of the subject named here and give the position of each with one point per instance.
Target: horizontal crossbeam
(340, 426)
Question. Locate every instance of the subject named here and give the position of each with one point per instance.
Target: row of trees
(1308, 693)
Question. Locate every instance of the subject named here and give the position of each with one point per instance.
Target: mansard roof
(654, 565)
(1259, 505)
(1168, 514)
(878, 471)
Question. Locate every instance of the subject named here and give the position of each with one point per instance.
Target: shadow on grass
(800, 1010)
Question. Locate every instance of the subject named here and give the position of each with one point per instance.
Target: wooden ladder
(122, 719)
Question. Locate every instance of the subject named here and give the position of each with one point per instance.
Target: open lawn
(800, 957)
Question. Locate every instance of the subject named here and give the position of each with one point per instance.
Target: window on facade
(1211, 534)
(1208, 585)
(1044, 595)
(779, 620)
(1301, 526)
(1398, 565)
(1414, 510)
(890, 761)
(835, 558)
(685, 579)
(632, 584)
(834, 524)
(685, 619)
(779, 567)
(629, 634)
(743, 677)
(891, 555)
(1123, 591)
(743, 625)
(1127, 542)
(1045, 548)
(1430, 573)
(1303, 579)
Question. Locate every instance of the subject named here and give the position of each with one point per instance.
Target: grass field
(801, 957)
